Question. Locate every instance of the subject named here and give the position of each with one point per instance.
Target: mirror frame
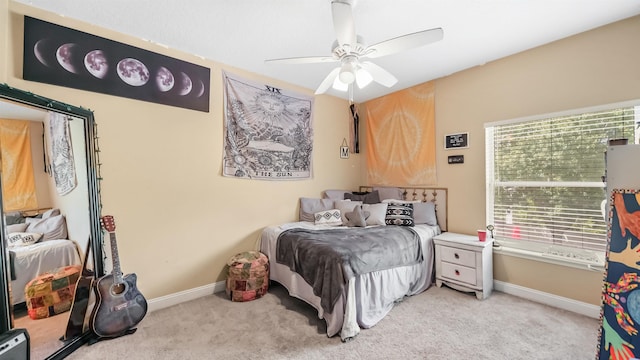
(95, 233)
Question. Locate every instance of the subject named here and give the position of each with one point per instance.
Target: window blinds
(544, 176)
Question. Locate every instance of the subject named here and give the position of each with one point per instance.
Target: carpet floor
(439, 323)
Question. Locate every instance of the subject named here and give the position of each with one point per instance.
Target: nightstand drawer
(459, 273)
(458, 256)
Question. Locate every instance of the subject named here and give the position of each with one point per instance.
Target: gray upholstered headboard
(437, 195)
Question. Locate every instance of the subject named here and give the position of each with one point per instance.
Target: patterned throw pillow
(23, 238)
(328, 217)
(310, 206)
(399, 214)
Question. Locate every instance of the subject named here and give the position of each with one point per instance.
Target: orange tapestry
(401, 146)
(18, 184)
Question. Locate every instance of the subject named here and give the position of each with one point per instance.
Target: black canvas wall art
(57, 55)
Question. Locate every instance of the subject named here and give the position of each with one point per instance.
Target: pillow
(328, 217)
(51, 212)
(310, 206)
(357, 217)
(345, 206)
(365, 197)
(23, 238)
(425, 213)
(389, 192)
(334, 194)
(378, 213)
(400, 201)
(54, 227)
(16, 228)
(14, 217)
(399, 214)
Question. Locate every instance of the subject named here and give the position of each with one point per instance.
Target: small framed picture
(456, 141)
(344, 152)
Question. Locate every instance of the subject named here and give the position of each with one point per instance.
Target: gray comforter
(327, 259)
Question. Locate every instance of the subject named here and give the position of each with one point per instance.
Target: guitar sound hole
(118, 289)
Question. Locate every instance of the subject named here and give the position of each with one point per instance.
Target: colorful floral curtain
(401, 138)
(18, 183)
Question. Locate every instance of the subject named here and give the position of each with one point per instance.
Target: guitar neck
(117, 273)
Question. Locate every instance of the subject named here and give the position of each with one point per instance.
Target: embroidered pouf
(52, 292)
(248, 276)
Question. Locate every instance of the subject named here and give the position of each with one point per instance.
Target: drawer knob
(457, 273)
(456, 256)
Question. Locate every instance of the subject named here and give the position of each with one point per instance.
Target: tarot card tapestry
(268, 131)
(61, 153)
(620, 314)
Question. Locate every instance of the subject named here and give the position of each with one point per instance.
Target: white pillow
(425, 213)
(345, 206)
(51, 212)
(328, 217)
(377, 213)
(386, 192)
(23, 239)
(16, 228)
(54, 227)
(310, 206)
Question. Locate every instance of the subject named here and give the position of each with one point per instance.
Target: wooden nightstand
(464, 263)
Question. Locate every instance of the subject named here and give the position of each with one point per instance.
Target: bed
(37, 244)
(364, 299)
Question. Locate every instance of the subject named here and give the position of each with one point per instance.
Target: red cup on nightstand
(482, 235)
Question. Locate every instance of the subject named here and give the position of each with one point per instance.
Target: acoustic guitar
(75, 324)
(119, 304)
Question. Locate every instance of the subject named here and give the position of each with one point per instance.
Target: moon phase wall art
(57, 55)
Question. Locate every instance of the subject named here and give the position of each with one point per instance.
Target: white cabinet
(464, 263)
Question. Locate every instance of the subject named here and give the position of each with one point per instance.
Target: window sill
(553, 254)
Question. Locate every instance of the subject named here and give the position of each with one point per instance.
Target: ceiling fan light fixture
(348, 71)
(363, 78)
(339, 85)
(346, 75)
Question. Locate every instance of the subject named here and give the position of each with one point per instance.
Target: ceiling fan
(350, 51)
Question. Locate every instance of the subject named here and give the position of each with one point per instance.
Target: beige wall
(592, 68)
(178, 220)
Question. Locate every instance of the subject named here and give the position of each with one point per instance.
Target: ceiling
(244, 33)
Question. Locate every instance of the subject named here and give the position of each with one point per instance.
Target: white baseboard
(183, 296)
(511, 289)
(548, 299)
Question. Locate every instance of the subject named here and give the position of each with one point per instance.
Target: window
(544, 178)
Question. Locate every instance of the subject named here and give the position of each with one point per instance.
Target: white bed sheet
(33, 260)
(369, 297)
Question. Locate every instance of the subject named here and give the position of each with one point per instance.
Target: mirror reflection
(47, 196)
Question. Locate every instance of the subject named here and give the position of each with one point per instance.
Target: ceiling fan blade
(405, 42)
(302, 60)
(343, 23)
(379, 74)
(328, 81)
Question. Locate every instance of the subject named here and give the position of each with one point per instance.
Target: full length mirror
(50, 218)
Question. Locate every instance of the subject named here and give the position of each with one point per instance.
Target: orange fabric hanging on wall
(401, 147)
(18, 183)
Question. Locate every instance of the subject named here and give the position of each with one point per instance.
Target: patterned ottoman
(51, 293)
(248, 276)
